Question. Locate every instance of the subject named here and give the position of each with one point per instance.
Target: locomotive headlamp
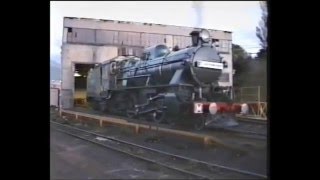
(244, 109)
(205, 35)
(213, 108)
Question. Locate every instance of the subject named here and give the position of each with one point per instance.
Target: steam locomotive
(164, 86)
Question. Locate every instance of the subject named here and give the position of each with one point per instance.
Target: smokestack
(197, 6)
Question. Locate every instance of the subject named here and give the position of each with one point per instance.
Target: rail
(200, 169)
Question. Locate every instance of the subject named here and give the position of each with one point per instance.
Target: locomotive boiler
(164, 86)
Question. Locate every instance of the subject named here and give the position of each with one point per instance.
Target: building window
(223, 46)
(224, 77)
(116, 37)
(122, 51)
(105, 37)
(137, 52)
(123, 38)
(69, 30)
(130, 52)
(80, 35)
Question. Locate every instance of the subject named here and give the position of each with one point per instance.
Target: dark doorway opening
(80, 83)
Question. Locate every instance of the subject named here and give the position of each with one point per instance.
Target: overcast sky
(240, 17)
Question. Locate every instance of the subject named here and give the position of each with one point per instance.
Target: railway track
(251, 120)
(192, 168)
(244, 129)
(249, 129)
(252, 128)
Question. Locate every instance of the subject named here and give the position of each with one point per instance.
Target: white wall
(54, 97)
(73, 53)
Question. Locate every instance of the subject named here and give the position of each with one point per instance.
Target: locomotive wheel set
(164, 86)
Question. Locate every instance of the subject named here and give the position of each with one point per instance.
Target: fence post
(259, 103)
(259, 94)
(241, 94)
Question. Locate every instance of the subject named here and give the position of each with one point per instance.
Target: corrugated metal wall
(105, 37)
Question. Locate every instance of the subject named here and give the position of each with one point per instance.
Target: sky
(239, 17)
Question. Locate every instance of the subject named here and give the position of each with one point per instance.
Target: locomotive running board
(147, 87)
(206, 140)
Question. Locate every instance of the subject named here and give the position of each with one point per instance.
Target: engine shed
(87, 42)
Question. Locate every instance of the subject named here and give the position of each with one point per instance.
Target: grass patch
(126, 131)
(153, 139)
(153, 167)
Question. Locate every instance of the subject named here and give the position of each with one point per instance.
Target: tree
(262, 54)
(262, 29)
(238, 52)
(248, 72)
(240, 60)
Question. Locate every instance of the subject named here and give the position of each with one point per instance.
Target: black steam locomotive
(164, 86)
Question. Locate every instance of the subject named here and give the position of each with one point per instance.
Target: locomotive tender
(164, 86)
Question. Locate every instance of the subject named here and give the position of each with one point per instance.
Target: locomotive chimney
(200, 37)
(195, 37)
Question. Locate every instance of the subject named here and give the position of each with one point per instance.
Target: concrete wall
(86, 54)
(54, 97)
(228, 59)
(73, 53)
(80, 44)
